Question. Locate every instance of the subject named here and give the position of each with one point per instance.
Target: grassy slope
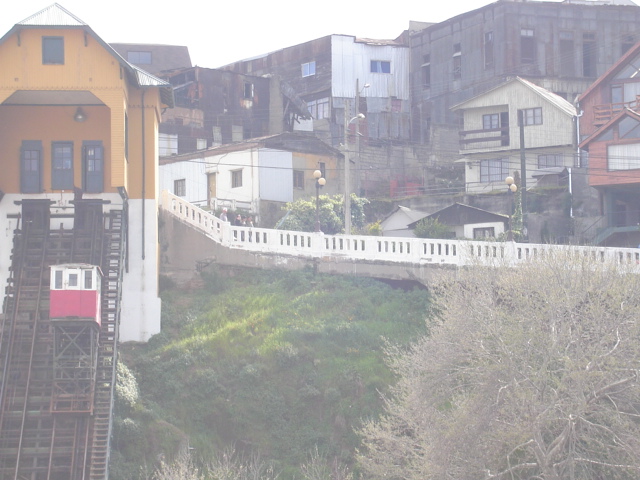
(266, 361)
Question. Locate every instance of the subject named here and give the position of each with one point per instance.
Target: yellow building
(77, 120)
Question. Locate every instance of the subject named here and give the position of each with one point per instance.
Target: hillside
(265, 362)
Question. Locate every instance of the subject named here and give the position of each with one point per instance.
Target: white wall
(141, 308)
(193, 171)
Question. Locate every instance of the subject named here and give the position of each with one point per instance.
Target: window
(31, 166)
(490, 121)
(567, 53)
(298, 179)
(58, 280)
(62, 166)
(236, 178)
(485, 232)
(532, 116)
(139, 58)
(623, 157)
(167, 144)
(488, 50)
(308, 69)
(457, 61)
(589, 54)
(180, 187)
(494, 170)
(248, 91)
(88, 277)
(426, 70)
(380, 66)
(547, 161)
(53, 50)
(73, 279)
(527, 46)
(627, 42)
(319, 108)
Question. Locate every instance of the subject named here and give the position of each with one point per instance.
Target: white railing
(415, 251)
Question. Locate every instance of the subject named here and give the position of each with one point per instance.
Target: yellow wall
(88, 66)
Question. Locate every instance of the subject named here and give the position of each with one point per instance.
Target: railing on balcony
(485, 138)
(604, 113)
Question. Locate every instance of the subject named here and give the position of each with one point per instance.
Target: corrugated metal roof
(551, 97)
(557, 100)
(54, 15)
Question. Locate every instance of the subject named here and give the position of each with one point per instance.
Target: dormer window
(53, 50)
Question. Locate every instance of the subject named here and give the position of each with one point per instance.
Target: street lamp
(347, 186)
(512, 188)
(320, 182)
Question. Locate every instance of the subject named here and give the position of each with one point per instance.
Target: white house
(490, 140)
(257, 176)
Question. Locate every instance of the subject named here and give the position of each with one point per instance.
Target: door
(92, 167)
(31, 166)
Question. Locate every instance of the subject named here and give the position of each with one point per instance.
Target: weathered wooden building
(340, 77)
(561, 46)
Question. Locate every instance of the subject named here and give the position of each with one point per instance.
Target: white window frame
(308, 69)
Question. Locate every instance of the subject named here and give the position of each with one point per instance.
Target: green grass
(271, 362)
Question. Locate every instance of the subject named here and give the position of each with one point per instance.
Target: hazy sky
(220, 32)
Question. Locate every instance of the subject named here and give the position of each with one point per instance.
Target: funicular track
(36, 441)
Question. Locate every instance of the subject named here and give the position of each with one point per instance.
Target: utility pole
(347, 194)
(523, 171)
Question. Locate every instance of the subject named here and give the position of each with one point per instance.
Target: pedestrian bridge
(388, 257)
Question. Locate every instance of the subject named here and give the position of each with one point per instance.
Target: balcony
(484, 139)
(603, 113)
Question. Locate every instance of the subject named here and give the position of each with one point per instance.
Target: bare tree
(181, 468)
(531, 374)
(319, 468)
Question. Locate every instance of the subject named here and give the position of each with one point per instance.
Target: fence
(415, 251)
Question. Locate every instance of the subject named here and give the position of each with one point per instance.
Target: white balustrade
(416, 251)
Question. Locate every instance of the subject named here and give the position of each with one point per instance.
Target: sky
(221, 32)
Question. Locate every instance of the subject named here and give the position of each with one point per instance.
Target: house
(396, 224)
(357, 92)
(512, 122)
(470, 222)
(560, 46)
(259, 175)
(610, 132)
(78, 120)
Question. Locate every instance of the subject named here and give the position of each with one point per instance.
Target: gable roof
(287, 141)
(556, 100)
(461, 214)
(56, 16)
(626, 112)
(613, 70)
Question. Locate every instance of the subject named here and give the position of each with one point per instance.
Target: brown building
(610, 128)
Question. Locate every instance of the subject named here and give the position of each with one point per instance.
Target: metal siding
(276, 175)
(351, 61)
